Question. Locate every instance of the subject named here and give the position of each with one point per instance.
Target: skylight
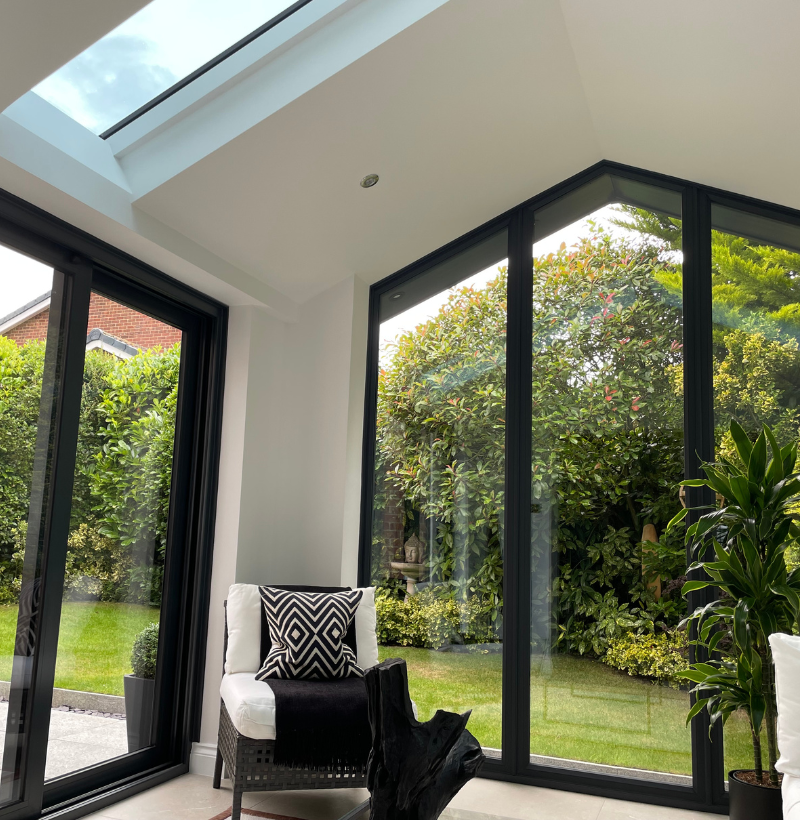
(162, 45)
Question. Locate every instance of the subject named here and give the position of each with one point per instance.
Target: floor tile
(622, 810)
(497, 798)
(189, 797)
(318, 804)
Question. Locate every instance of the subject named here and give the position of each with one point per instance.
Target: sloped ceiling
(469, 111)
(462, 115)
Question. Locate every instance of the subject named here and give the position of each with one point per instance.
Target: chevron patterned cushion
(306, 629)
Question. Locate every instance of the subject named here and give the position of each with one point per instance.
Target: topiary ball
(145, 652)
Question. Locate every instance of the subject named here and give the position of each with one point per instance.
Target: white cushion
(244, 630)
(786, 654)
(251, 705)
(366, 639)
(791, 797)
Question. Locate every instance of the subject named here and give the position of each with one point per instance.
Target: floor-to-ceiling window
(606, 458)
(530, 417)
(755, 265)
(437, 538)
(109, 404)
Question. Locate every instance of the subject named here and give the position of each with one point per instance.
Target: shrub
(97, 567)
(144, 655)
(661, 656)
(431, 620)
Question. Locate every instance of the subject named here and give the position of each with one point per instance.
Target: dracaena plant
(739, 549)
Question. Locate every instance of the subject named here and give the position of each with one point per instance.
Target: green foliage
(144, 655)
(20, 387)
(748, 537)
(661, 657)
(131, 474)
(97, 567)
(431, 620)
(607, 433)
(123, 470)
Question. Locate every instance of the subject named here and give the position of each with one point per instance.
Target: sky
(21, 280)
(149, 52)
(420, 313)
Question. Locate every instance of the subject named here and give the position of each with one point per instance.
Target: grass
(94, 644)
(581, 709)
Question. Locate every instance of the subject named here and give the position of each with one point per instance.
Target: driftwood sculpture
(415, 769)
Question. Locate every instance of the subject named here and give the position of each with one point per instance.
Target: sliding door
(108, 399)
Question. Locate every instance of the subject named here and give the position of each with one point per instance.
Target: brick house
(112, 327)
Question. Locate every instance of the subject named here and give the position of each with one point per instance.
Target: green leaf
(758, 460)
(742, 443)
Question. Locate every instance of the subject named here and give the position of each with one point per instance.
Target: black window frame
(198, 72)
(707, 792)
(91, 265)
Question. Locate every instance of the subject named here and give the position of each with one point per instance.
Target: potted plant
(140, 689)
(739, 547)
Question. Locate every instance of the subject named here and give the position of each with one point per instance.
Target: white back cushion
(244, 629)
(366, 640)
(786, 653)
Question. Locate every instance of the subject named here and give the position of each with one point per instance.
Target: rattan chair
(249, 767)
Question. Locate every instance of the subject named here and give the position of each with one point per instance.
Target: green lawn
(581, 709)
(94, 644)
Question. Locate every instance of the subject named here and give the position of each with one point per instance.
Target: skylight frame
(198, 72)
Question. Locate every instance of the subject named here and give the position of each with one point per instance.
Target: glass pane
(151, 51)
(108, 640)
(607, 454)
(756, 314)
(29, 380)
(437, 537)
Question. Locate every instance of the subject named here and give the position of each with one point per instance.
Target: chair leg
(236, 808)
(217, 769)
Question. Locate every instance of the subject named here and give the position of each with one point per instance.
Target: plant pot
(751, 802)
(139, 697)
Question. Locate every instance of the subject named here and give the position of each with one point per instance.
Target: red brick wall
(112, 318)
(33, 328)
(129, 325)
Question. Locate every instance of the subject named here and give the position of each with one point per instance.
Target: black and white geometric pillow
(306, 630)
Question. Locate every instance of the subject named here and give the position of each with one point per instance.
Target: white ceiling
(471, 109)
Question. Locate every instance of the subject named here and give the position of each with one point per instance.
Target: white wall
(289, 494)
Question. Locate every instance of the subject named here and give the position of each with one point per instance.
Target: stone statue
(413, 550)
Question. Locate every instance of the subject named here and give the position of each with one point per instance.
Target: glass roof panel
(146, 55)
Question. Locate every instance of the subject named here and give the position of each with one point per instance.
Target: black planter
(751, 802)
(139, 695)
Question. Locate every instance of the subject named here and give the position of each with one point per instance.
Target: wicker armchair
(249, 764)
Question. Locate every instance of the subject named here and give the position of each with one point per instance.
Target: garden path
(77, 741)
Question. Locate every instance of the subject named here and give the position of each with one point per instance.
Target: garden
(607, 458)
(117, 538)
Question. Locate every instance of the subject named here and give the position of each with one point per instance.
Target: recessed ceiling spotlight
(398, 295)
(369, 180)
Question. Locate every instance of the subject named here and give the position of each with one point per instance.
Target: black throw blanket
(319, 723)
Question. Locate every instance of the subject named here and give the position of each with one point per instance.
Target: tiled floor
(191, 798)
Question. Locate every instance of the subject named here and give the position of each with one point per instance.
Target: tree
(607, 431)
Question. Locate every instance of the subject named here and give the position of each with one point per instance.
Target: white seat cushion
(244, 629)
(786, 654)
(791, 797)
(250, 703)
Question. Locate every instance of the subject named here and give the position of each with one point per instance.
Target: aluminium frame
(707, 792)
(89, 264)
